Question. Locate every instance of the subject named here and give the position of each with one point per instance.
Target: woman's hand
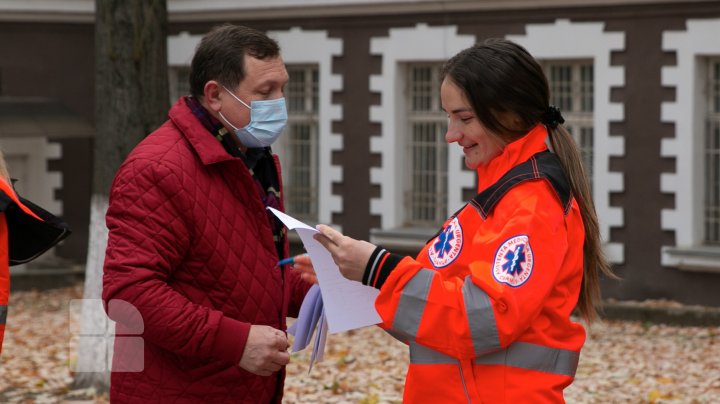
(350, 255)
(303, 264)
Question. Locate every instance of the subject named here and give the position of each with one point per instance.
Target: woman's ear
(211, 93)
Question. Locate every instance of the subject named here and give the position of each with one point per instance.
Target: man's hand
(265, 351)
(350, 255)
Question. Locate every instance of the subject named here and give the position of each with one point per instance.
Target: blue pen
(286, 261)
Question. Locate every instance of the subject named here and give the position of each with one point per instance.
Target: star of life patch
(514, 261)
(446, 247)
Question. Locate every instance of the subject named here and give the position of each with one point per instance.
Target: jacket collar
(513, 154)
(209, 149)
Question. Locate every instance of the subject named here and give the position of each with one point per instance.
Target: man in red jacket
(192, 246)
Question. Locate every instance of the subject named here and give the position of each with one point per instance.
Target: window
(712, 156)
(571, 90)
(301, 143)
(426, 162)
(179, 77)
(695, 116)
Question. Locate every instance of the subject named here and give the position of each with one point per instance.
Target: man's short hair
(221, 55)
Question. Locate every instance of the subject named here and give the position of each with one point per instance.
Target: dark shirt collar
(214, 126)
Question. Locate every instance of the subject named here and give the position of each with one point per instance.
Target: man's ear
(211, 93)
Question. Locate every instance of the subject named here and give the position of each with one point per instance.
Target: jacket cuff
(379, 267)
(372, 263)
(230, 339)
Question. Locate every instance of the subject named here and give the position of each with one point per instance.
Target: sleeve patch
(446, 247)
(514, 261)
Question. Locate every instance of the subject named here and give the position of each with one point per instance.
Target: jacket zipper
(462, 378)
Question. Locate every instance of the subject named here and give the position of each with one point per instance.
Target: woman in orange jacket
(26, 231)
(485, 307)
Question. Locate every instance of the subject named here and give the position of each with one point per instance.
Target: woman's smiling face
(464, 127)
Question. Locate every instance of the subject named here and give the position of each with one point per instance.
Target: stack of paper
(345, 304)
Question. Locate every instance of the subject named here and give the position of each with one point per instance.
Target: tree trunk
(131, 100)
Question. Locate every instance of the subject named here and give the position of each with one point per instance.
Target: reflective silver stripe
(374, 266)
(3, 314)
(534, 357)
(412, 304)
(398, 336)
(422, 355)
(481, 319)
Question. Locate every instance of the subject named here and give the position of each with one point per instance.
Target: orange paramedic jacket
(485, 307)
(26, 231)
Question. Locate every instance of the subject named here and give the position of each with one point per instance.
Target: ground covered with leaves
(622, 362)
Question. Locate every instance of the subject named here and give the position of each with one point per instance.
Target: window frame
(693, 47)
(309, 115)
(711, 155)
(419, 43)
(436, 209)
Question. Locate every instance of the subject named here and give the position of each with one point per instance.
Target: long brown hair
(500, 77)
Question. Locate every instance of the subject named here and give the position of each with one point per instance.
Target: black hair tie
(552, 117)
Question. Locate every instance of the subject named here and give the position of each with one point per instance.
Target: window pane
(315, 90)
(428, 173)
(561, 87)
(586, 88)
(426, 151)
(586, 151)
(296, 90)
(712, 157)
(422, 91)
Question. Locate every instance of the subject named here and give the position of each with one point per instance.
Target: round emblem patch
(447, 245)
(513, 261)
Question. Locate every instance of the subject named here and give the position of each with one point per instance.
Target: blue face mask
(267, 121)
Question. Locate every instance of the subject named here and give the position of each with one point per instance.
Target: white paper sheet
(348, 304)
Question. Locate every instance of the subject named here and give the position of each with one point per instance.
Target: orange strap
(5, 187)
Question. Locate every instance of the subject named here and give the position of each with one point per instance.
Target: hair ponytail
(594, 259)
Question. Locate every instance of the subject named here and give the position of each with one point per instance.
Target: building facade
(638, 82)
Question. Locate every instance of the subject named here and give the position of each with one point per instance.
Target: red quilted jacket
(190, 248)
